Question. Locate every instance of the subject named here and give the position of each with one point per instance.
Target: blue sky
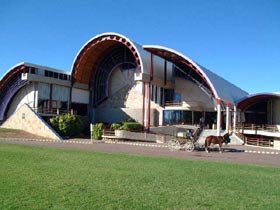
(237, 39)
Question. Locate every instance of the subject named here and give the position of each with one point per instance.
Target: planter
(139, 136)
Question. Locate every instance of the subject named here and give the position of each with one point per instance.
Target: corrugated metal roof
(225, 89)
(221, 88)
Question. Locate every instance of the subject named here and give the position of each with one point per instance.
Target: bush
(115, 126)
(129, 120)
(66, 125)
(97, 131)
(132, 126)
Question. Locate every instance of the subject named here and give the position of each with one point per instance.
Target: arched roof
(254, 98)
(220, 88)
(89, 55)
(12, 71)
(10, 84)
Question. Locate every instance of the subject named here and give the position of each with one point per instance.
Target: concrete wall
(43, 79)
(26, 95)
(116, 115)
(26, 119)
(125, 100)
(276, 144)
(192, 96)
(135, 136)
(80, 96)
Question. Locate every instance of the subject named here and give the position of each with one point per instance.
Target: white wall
(192, 96)
(123, 91)
(80, 96)
(24, 96)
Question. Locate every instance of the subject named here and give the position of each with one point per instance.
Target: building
(113, 79)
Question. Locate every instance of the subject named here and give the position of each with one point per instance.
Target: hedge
(132, 126)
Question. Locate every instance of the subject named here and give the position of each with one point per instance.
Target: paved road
(233, 154)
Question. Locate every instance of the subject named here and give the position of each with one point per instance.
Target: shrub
(66, 125)
(97, 131)
(115, 126)
(130, 120)
(132, 126)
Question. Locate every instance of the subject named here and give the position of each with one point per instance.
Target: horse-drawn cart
(190, 142)
(185, 141)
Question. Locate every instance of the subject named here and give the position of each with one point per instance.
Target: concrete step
(204, 134)
(235, 140)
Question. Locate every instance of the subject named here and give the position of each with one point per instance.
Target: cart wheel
(189, 146)
(173, 145)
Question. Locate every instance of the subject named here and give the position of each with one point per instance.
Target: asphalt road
(232, 154)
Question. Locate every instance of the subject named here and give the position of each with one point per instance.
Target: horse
(216, 140)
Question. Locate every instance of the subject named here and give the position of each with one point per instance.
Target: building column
(35, 103)
(234, 118)
(149, 106)
(228, 117)
(51, 96)
(70, 99)
(219, 101)
(192, 118)
(146, 112)
(144, 105)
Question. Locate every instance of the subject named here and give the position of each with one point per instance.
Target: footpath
(226, 148)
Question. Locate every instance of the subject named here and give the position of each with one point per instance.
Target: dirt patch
(14, 133)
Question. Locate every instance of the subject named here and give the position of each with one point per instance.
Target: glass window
(197, 116)
(32, 70)
(177, 117)
(55, 75)
(50, 74)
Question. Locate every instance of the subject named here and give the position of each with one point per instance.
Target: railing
(173, 103)
(108, 132)
(184, 103)
(259, 142)
(255, 127)
(180, 123)
(54, 111)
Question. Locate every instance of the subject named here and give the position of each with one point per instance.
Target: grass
(44, 178)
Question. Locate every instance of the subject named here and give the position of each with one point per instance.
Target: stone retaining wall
(28, 120)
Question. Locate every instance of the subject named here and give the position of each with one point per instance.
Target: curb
(262, 152)
(123, 143)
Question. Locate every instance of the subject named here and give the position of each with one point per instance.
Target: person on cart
(189, 133)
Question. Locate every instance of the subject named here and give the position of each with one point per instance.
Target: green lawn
(44, 178)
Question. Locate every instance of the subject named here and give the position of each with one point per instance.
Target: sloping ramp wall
(28, 120)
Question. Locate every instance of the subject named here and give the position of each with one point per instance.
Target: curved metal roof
(225, 89)
(12, 71)
(253, 98)
(220, 88)
(89, 55)
(177, 57)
